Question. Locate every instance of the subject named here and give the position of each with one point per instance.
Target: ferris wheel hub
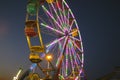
(66, 33)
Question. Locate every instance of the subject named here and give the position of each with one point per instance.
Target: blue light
(49, 48)
(33, 66)
(42, 55)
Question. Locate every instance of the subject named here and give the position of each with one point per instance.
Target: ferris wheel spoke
(54, 42)
(77, 46)
(63, 68)
(74, 38)
(43, 28)
(77, 59)
(73, 32)
(52, 23)
(66, 60)
(53, 47)
(64, 13)
(44, 8)
(47, 26)
(71, 25)
(56, 14)
(78, 65)
(49, 18)
(41, 19)
(71, 14)
(50, 9)
(71, 59)
(74, 21)
(76, 56)
(58, 17)
(50, 34)
(69, 8)
(68, 16)
(62, 51)
(60, 11)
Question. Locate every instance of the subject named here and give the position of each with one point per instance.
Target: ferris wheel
(52, 30)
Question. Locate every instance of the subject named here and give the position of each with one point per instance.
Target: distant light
(49, 57)
(42, 55)
(33, 66)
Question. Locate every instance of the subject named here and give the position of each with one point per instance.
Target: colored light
(44, 8)
(56, 14)
(33, 66)
(17, 76)
(55, 41)
(49, 57)
(51, 28)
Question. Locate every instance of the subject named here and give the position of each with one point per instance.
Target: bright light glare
(16, 77)
(49, 57)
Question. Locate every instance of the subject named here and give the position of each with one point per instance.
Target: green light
(31, 8)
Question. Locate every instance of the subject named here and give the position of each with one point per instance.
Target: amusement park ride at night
(54, 41)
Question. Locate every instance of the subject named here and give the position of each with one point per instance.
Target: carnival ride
(54, 41)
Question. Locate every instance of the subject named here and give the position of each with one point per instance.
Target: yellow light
(50, 1)
(49, 57)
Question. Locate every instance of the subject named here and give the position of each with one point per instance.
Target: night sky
(99, 23)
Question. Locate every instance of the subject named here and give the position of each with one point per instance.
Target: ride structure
(54, 41)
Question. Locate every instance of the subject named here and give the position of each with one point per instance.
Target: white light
(16, 77)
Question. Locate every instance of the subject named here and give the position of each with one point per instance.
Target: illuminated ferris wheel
(52, 32)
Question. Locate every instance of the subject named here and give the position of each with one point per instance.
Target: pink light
(59, 8)
(66, 60)
(74, 54)
(42, 24)
(71, 59)
(55, 41)
(74, 38)
(56, 13)
(51, 16)
(77, 46)
(66, 38)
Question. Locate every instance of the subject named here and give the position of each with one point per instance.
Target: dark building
(114, 75)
